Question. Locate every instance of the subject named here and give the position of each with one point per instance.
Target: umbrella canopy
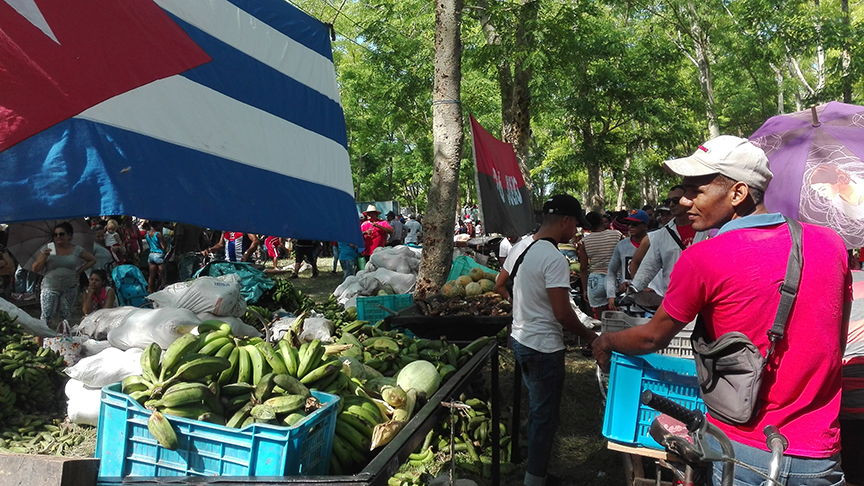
(816, 157)
(27, 239)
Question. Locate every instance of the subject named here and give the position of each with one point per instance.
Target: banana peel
(382, 434)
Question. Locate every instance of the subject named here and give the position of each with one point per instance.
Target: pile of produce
(488, 304)
(475, 283)
(468, 295)
(283, 295)
(216, 377)
(472, 444)
(31, 393)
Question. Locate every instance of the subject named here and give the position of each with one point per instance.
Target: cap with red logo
(733, 157)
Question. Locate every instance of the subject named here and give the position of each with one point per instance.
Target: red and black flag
(504, 199)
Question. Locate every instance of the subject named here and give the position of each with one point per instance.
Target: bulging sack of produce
(145, 326)
(92, 347)
(401, 261)
(217, 295)
(98, 324)
(402, 283)
(109, 366)
(317, 328)
(30, 325)
(83, 404)
(238, 327)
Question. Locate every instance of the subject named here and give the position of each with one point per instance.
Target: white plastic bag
(109, 366)
(30, 325)
(217, 295)
(317, 328)
(98, 324)
(145, 326)
(83, 404)
(238, 327)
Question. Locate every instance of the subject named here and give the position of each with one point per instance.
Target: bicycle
(695, 452)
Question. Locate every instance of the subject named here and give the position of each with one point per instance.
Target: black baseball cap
(565, 205)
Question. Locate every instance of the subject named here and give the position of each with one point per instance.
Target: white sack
(216, 295)
(109, 366)
(395, 259)
(30, 325)
(238, 327)
(92, 347)
(317, 328)
(402, 283)
(98, 324)
(145, 326)
(83, 403)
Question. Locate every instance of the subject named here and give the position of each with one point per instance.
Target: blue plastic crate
(627, 420)
(126, 448)
(368, 310)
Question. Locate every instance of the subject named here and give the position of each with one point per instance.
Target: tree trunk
(846, 55)
(447, 135)
(820, 51)
(516, 93)
(619, 201)
(705, 80)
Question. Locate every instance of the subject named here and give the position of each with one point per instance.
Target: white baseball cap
(733, 157)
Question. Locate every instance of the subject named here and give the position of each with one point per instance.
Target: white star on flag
(30, 11)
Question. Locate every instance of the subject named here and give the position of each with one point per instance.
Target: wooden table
(633, 468)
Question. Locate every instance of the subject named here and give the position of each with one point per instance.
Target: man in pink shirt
(375, 231)
(731, 282)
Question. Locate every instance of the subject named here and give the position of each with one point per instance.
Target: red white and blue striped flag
(222, 113)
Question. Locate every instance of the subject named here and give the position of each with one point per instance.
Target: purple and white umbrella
(816, 157)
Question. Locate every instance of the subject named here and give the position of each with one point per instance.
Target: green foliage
(612, 83)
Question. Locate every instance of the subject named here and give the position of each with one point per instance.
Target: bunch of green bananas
(283, 294)
(31, 376)
(336, 312)
(217, 378)
(36, 434)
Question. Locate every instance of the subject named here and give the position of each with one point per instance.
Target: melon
(476, 273)
(420, 375)
(447, 288)
(464, 280)
(473, 289)
(486, 285)
(490, 276)
(456, 291)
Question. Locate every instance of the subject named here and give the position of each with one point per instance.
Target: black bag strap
(789, 287)
(676, 238)
(522, 256)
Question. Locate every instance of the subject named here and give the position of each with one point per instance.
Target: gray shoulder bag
(730, 369)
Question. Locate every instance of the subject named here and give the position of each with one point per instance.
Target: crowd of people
(64, 273)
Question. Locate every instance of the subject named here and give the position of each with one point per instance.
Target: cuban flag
(222, 113)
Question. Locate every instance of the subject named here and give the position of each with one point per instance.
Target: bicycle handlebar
(691, 418)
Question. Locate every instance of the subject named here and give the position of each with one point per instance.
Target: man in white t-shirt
(541, 310)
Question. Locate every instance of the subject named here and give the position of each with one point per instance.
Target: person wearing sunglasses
(664, 246)
(618, 274)
(60, 264)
